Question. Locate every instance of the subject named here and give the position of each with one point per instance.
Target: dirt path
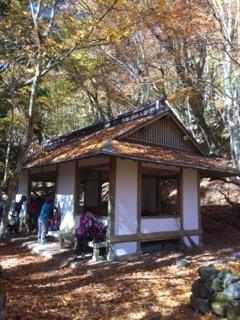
(149, 288)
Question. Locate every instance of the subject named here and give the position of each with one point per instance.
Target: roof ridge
(151, 108)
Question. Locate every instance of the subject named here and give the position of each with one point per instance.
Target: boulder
(207, 273)
(233, 313)
(233, 291)
(200, 305)
(182, 262)
(217, 285)
(201, 289)
(222, 273)
(230, 278)
(220, 304)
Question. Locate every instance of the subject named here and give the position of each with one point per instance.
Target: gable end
(164, 132)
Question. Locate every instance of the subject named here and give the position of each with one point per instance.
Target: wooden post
(111, 204)
(139, 204)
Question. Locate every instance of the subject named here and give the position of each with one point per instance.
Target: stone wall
(217, 291)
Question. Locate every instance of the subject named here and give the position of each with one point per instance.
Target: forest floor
(150, 287)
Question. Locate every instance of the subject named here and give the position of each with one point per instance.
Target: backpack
(16, 208)
(99, 232)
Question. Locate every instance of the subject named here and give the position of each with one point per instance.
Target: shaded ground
(148, 288)
(151, 287)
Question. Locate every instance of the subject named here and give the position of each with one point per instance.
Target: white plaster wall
(160, 225)
(121, 249)
(190, 199)
(126, 197)
(65, 195)
(23, 190)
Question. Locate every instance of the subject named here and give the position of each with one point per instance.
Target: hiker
(16, 215)
(46, 210)
(89, 229)
(3, 199)
(34, 210)
(84, 231)
(54, 221)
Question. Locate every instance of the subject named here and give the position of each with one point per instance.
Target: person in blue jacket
(46, 210)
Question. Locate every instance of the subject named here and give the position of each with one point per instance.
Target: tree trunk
(13, 183)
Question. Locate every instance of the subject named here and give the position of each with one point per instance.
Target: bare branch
(52, 16)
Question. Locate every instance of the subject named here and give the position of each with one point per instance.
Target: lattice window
(164, 132)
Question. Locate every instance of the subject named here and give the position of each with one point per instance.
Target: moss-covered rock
(200, 305)
(207, 273)
(222, 273)
(201, 289)
(233, 291)
(216, 285)
(220, 304)
(230, 278)
(233, 313)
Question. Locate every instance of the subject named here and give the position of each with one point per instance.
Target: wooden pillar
(139, 204)
(111, 205)
(190, 206)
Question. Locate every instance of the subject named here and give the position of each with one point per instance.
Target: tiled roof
(79, 146)
(102, 139)
(171, 157)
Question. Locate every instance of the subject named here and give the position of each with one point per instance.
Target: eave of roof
(161, 155)
(79, 147)
(208, 167)
(104, 140)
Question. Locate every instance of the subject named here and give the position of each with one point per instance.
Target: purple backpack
(99, 231)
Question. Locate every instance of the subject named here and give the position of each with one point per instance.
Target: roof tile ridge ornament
(107, 148)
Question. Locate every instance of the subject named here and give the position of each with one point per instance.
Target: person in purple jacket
(84, 231)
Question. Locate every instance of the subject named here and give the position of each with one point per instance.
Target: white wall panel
(190, 199)
(126, 197)
(160, 225)
(23, 189)
(65, 195)
(121, 249)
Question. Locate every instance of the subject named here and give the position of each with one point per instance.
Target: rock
(182, 262)
(233, 313)
(200, 305)
(237, 255)
(75, 265)
(207, 273)
(221, 274)
(220, 304)
(233, 291)
(201, 289)
(217, 285)
(230, 278)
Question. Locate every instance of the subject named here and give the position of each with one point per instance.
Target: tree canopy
(67, 64)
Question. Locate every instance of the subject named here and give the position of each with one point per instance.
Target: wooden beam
(154, 236)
